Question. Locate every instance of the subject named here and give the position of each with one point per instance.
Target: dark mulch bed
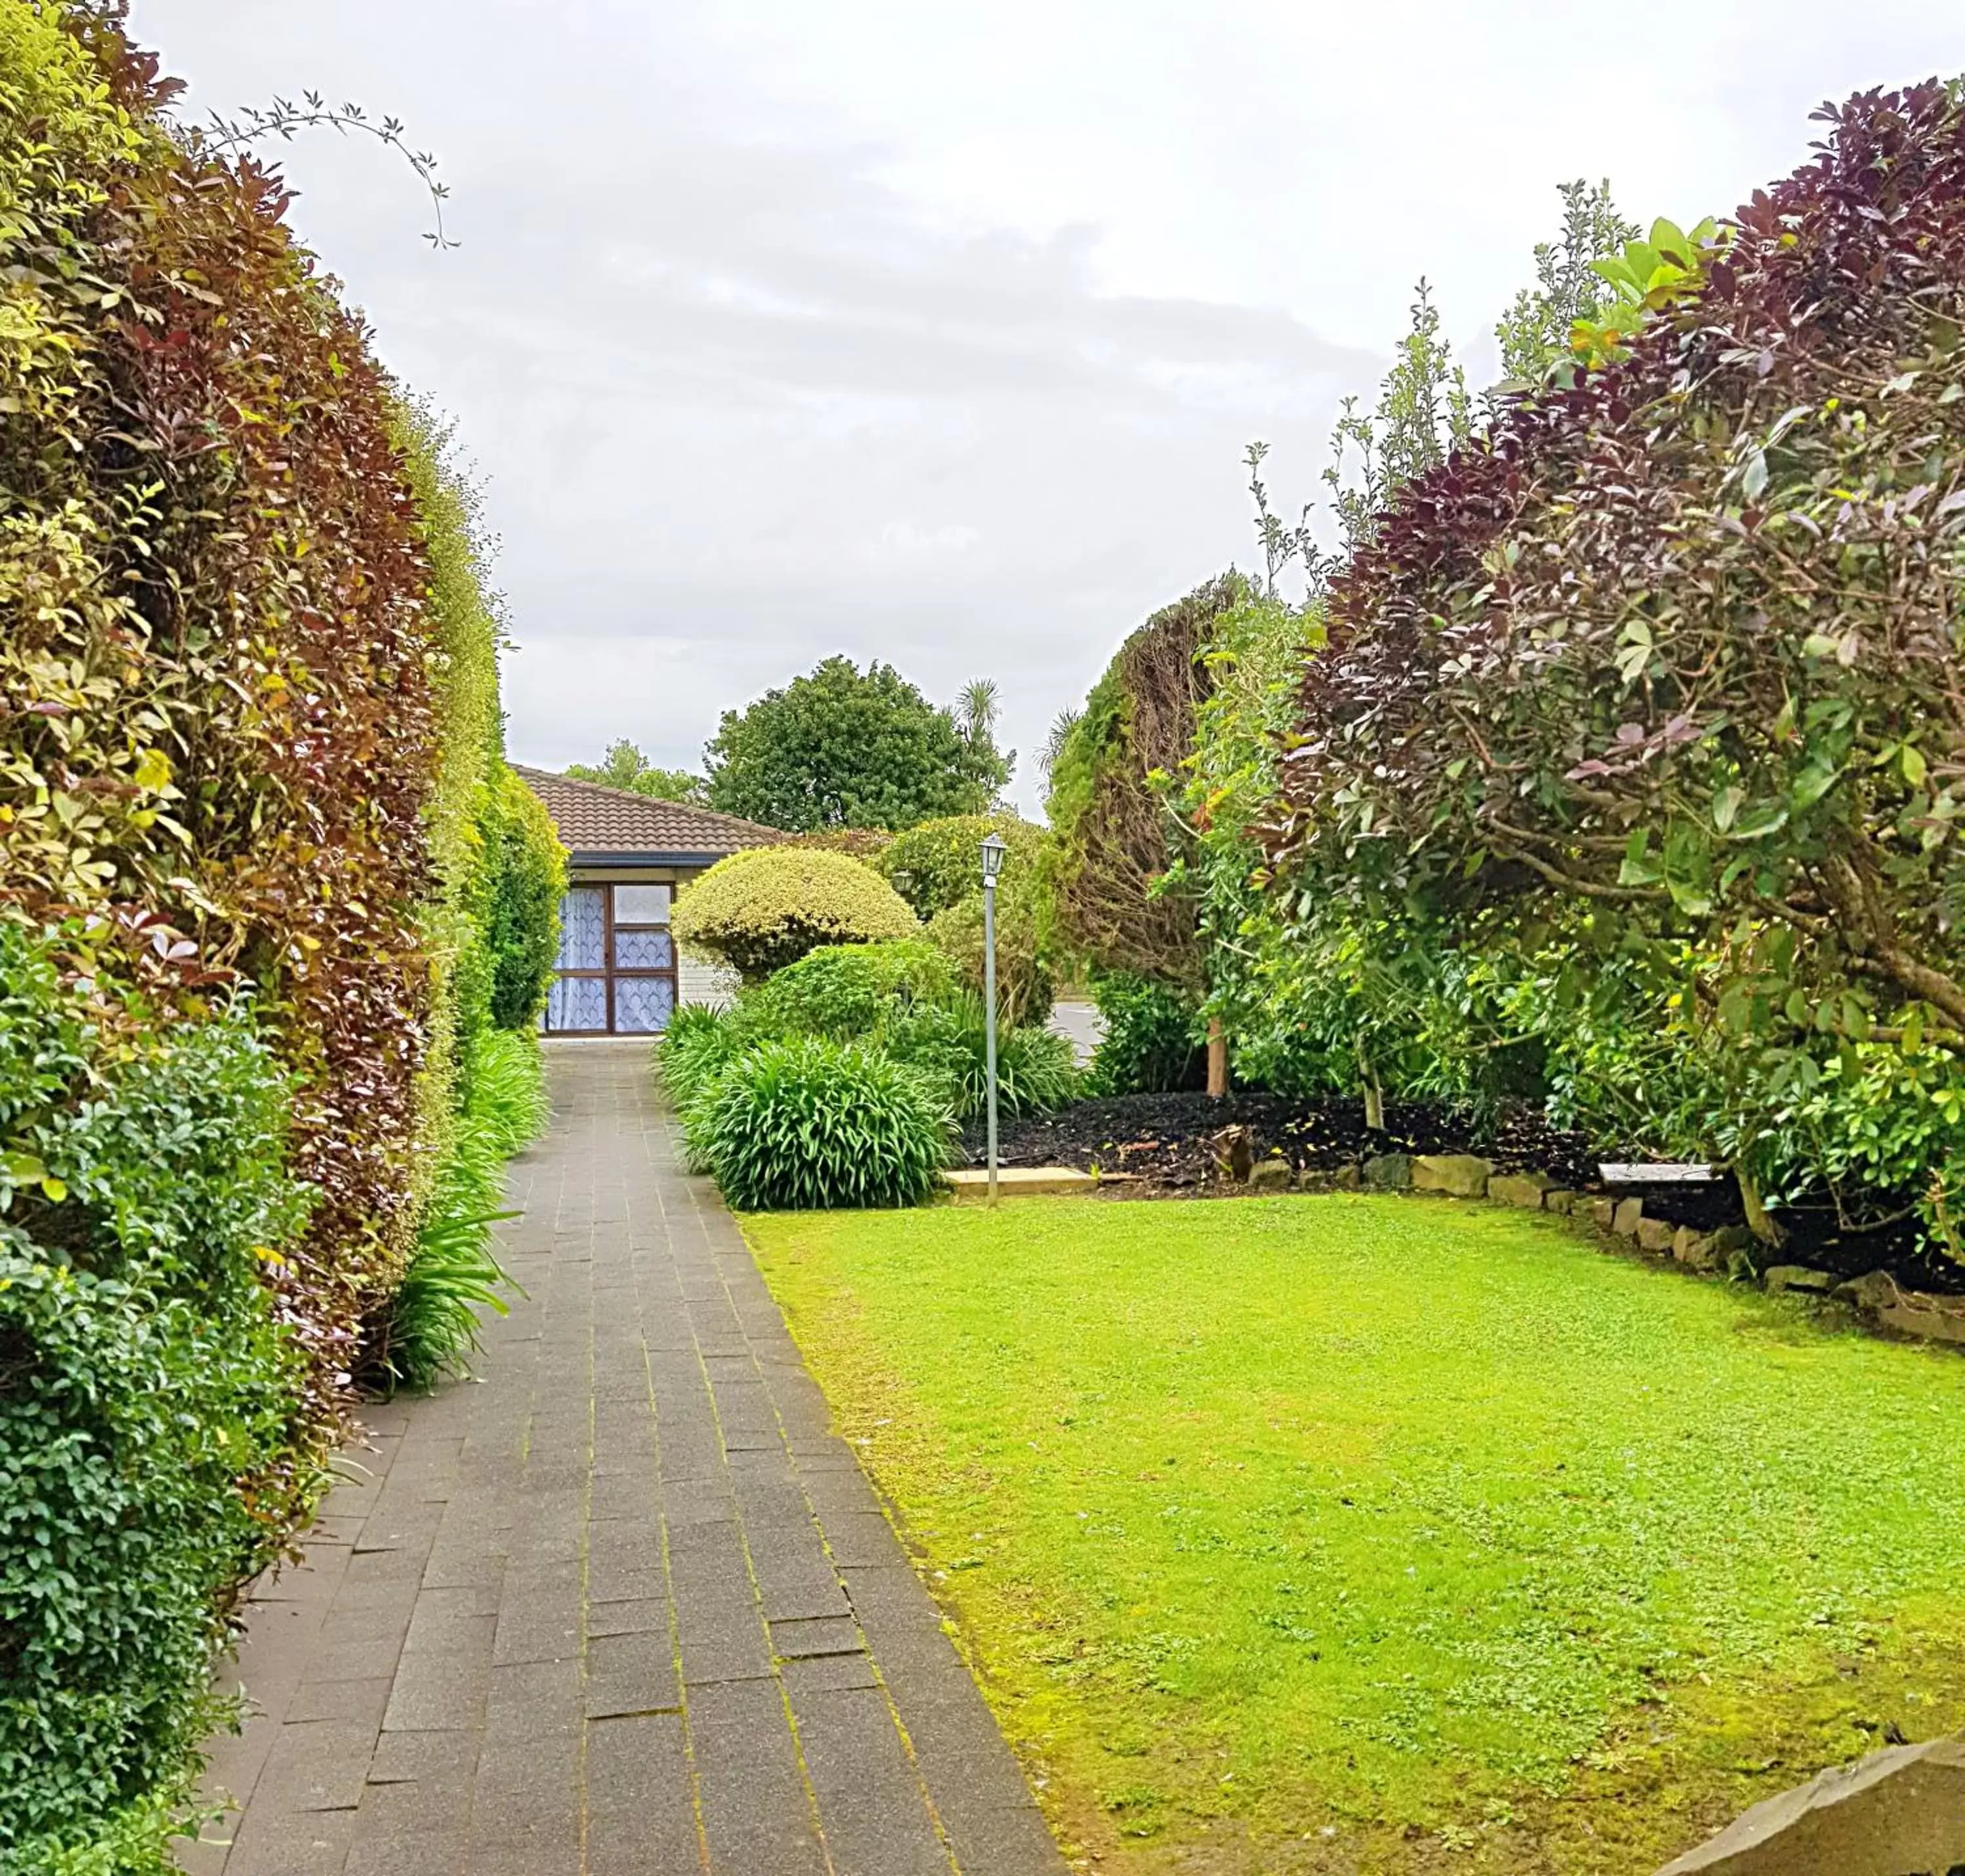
(1170, 1144)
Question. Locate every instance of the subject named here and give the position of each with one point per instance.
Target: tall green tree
(844, 747)
(624, 765)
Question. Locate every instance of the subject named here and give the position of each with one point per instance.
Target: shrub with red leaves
(216, 717)
(1678, 647)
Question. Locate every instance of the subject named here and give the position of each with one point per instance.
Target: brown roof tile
(594, 819)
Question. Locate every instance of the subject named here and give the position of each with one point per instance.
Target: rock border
(1732, 1251)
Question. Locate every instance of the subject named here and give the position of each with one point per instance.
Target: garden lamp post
(993, 848)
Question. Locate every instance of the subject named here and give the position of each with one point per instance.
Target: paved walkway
(623, 1604)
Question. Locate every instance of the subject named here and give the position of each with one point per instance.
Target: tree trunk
(1762, 1227)
(1217, 1057)
(1374, 1089)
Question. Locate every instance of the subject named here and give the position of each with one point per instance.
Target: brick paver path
(623, 1604)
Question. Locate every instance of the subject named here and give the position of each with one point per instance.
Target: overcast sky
(933, 331)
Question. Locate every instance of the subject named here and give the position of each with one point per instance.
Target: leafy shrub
(848, 990)
(762, 909)
(809, 1124)
(147, 1397)
(1035, 1071)
(939, 863)
(1665, 663)
(527, 867)
(1025, 983)
(1154, 1042)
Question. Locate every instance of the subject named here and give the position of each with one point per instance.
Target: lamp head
(993, 848)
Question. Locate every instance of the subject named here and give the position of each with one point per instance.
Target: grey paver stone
(504, 1577)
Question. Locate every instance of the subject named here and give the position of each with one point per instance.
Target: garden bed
(1171, 1145)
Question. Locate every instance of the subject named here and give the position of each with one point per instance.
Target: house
(618, 971)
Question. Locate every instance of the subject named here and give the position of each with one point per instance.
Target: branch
(1627, 895)
(283, 118)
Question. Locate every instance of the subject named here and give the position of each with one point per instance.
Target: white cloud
(934, 334)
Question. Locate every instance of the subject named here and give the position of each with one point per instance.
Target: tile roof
(594, 819)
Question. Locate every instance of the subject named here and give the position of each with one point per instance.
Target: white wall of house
(701, 980)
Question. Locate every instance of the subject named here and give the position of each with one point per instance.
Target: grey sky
(934, 332)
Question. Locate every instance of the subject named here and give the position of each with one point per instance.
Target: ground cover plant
(1377, 1536)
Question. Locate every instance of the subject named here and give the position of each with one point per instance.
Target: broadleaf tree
(624, 765)
(841, 747)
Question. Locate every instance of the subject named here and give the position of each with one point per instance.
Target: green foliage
(527, 869)
(938, 868)
(1534, 333)
(1423, 411)
(1645, 711)
(148, 1451)
(624, 765)
(938, 864)
(1155, 1041)
(764, 908)
(1035, 1070)
(846, 990)
(810, 1123)
(1026, 979)
(1645, 278)
(431, 1323)
(842, 748)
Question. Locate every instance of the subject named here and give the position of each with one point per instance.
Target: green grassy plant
(810, 1123)
(431, 1323)
(1377, 1536)
(1035, 1071)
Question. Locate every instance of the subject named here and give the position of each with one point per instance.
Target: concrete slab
(972, 1183)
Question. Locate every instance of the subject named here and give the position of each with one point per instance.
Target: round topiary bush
(765, 908)
(811, 1125)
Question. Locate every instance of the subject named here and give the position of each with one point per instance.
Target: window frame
(608, 971)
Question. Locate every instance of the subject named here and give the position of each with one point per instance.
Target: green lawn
(1369, 1534)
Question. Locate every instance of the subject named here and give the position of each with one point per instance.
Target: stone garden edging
(1732, 1250)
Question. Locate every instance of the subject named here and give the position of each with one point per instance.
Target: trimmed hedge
(766, 907)
(248, 762)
